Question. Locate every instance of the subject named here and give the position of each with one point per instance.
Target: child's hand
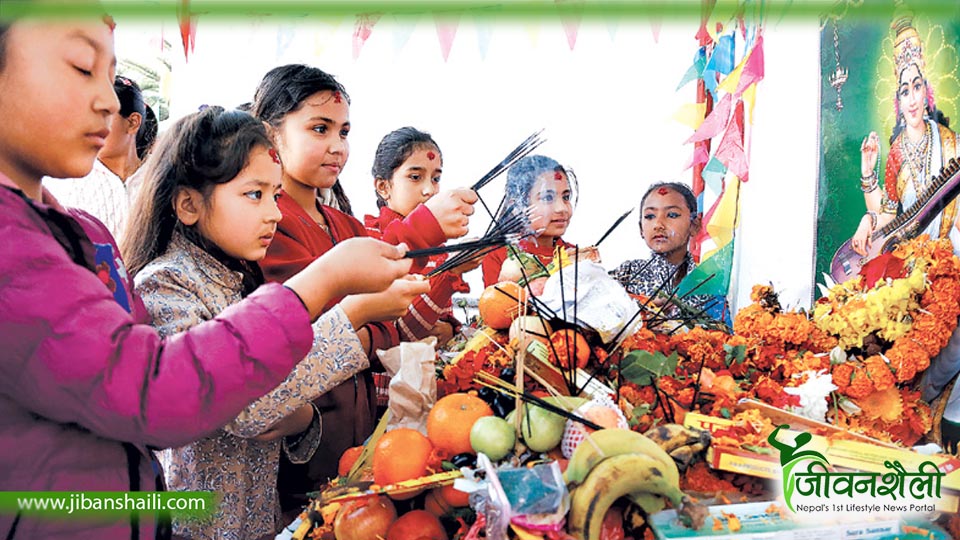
(365, 265)
(443, 331)
(452, 210)
(356, 265)
(387, 305)
(467, 266)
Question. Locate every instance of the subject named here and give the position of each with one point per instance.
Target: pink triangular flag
(363, 28)
(700, 156)
(446, 32)
(714, 123)
(753, 70)
(730, 152)
(571, 21)
(655, 24)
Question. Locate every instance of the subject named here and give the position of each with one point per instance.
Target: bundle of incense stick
(499, 385)
(505, 231)
(525, 148)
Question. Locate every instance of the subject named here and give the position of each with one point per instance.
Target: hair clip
(431, 155)
(124, 81)
(337, 98)
(108, 20)
(663, 191)
(202, 107)
(274, 155)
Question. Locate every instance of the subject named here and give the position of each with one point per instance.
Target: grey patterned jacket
(184, 287)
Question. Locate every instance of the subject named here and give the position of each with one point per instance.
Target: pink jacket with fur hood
(86, 385)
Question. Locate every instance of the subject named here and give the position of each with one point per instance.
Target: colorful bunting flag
(362, 29)
(484, 33)
(722, 58)
(188, 28)
(695, 71)
(713, 175)
(403, 27)
(446, 32)
(700, 156)
(730, 152)
(718, 118)
(571, 20)
(691, 114)
(753, 70)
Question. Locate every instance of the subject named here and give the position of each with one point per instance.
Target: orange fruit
(566, 343)
(454, 497)
(417, 524)
(450, 421)
(499, 304)
(349, 457)
(401, 454)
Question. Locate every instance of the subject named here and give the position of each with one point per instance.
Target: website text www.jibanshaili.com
(58, 504)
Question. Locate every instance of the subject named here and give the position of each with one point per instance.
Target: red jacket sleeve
(419, 230)
(73, 355)
(427, 309)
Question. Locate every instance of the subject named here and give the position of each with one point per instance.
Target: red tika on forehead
(663, 191)
(558, 175)
(431, 155)
(274, 156)
(108, 20)
(337, 98)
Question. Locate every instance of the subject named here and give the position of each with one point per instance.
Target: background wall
(607, 107)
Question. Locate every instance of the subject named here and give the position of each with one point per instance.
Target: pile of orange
(401, 454)
(450, 421)
(499, 304)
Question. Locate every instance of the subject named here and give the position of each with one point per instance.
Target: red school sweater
(425, 311)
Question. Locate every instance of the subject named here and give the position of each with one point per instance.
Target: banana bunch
(614, 463)
(682, 443)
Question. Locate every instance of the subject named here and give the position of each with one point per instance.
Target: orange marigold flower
(879, 373)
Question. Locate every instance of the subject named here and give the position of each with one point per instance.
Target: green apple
(541, 429)
(492, 436)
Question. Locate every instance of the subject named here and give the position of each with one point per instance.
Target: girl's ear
(383, 187)
(273, 133)
(695, 225)
(133, 123)
(187, 204)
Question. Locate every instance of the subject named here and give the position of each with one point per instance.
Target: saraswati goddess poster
(888, 124)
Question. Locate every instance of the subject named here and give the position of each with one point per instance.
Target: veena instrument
(944, 189)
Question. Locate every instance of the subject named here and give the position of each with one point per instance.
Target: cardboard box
(843, 454)
(757, 523)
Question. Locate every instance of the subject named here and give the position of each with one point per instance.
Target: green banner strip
(687, 9)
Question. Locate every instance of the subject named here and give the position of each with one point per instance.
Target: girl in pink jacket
(86, 386)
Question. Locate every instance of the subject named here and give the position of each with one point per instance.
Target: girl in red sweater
(308, 116)
(548, 189)
(406, 174)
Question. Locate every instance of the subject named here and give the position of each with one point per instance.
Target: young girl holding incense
(308, 114)
(541, 186)
(668, 220)
(406, 172)
(86, 384)
(218, 172)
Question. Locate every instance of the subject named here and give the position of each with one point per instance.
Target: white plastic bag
(602, 304)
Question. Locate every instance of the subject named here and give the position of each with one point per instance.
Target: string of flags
(446, 23)
(727, 66)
